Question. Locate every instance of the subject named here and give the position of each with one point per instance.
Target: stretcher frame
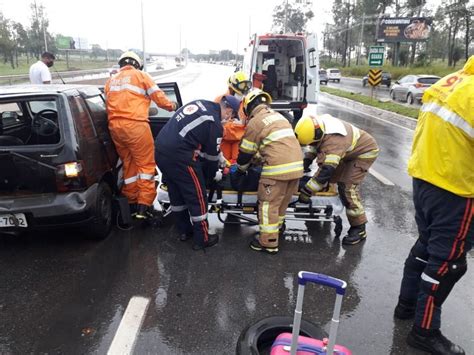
(245, 213)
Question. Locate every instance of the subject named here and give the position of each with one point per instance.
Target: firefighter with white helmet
(344, 154)
(271, 135)
(128, 99)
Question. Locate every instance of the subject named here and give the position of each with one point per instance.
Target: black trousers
(438, 258)
(188, 196)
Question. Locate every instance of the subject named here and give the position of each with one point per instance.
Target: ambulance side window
(312, 58)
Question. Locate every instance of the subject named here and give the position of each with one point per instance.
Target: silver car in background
(410, 88)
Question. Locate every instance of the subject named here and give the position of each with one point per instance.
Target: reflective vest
(129, 94)
(443, 146)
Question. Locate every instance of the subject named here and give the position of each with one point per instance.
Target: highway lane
(62, 294)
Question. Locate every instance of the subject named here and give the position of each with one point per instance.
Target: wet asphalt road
(60, 293)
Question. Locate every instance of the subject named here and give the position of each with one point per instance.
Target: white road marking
(380, 177)
(126, 335)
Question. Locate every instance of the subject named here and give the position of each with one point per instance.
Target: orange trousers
(233, 133)
(135, 146)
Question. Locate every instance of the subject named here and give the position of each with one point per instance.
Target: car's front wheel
(410, 99)
(101, 223)
(392, 95)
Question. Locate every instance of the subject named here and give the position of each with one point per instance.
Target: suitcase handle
(320, 279)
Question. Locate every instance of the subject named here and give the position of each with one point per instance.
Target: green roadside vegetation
(59, 65)
(388, 106)
(436, 68)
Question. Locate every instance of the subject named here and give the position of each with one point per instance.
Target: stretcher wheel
(257, 338)
(338, 226)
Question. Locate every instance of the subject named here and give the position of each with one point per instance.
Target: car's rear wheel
(101, 223)
(364, 83)
(338, 80)
(410, 99)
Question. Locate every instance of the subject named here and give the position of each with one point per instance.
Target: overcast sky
(204, 24)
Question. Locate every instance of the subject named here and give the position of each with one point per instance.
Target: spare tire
(257, 338)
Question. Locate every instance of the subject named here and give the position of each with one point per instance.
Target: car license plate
(13, 220)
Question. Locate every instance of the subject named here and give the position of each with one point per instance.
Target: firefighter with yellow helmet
(344, 154)
(271, 135)
(239, 85)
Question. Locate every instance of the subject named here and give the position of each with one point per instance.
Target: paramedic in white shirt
(39, 72)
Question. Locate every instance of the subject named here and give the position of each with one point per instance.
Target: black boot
(142, 212)
(433, 342)
(404, 309)
(185, 236)
(355, 235)
(255, 245)
(212, 239)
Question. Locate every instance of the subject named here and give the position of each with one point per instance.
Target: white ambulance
(286, 66)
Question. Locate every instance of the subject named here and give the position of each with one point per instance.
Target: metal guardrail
(23, 78)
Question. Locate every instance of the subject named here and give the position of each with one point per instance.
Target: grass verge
(388, 106)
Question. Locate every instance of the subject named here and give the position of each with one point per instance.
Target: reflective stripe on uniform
(359, 209)
(370, 154)
(429, 279)
(270, 170)
(333, 159)
(248, 146)
(277, 135)
(265, 206)
(269, 228)
(193, 124)
(208, 156)
(313, 185)
(130, 180)
(152, 90)
(146, 176)
(449, 116)
(199, 218)
(128, 87)
(179, 208)
(355, 138)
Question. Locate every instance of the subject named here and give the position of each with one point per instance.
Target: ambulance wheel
(338, 226)
(258, 338)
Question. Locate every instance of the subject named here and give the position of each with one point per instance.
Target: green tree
(291, 16)
(6, 41)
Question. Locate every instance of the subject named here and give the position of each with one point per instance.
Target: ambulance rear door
(312, 69)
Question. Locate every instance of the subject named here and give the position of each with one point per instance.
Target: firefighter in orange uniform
(128, 100)
(239, 86)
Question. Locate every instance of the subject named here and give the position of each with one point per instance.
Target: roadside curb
(393, 117)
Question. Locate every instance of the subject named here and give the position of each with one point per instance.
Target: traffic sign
(375, 77)
(376, 55)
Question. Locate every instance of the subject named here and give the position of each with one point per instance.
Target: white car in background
(334, 74)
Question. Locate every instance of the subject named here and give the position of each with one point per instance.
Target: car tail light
(420, 85)
(70, 177)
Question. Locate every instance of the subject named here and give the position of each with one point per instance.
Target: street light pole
(143, 38)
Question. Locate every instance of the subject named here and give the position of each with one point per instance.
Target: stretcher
(243, 206)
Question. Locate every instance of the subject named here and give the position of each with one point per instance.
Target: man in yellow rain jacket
(442, 167)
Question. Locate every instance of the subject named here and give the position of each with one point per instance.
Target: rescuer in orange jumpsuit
(239, 86)
(128, 100)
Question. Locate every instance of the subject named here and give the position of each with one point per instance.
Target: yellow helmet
(240, 83)
(254, 98)
(309, 130)
(130, 58)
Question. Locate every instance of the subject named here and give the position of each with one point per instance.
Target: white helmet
(130, 58)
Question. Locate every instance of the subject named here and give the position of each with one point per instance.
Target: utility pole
(361, 36)
(143, 38)
(286, 17)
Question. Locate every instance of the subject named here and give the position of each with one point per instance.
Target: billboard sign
(403, 29)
